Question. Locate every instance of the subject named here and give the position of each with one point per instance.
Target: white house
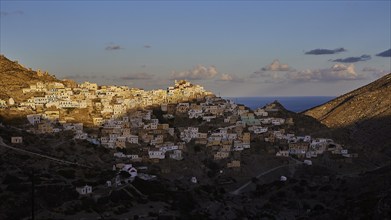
(168, 148)
(80, 135)
(69, 104)
(232, 136)
(238, 146)
(321, 140)
(344, 151)
(194, 180)
(208, 118)
(133, 156)
(261, 112)
(84, 190)
(308, 162)
(11, 101)
(266, 120)
(282, 153)
(195, 113)
(108, 183)
(16, 140)
(119, 154)
(260, 130)
(156, 154)
(163, 107)
(147, 115)
(34, 118)
(40, 100)
(278, 121)
(133, 139)
(176, 155)
(306, 138)
(130, 169)
(3, 103)
(310, 154)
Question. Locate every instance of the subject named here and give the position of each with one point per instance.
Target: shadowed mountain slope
(364, 113)
(368, 102)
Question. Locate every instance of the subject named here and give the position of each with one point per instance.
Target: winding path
(42, 155)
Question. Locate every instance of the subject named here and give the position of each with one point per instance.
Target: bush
(87, 204)
(318, 207)
(281, 194)
(18, 188)
(197, 148)
(298, 189)
(124, 174)
(9, 179)
(123, 150)
(69, 174)
(326, 188)
(120, 210)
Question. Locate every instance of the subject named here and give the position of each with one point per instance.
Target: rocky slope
(364, 112)
(368, 102)
(14, 76)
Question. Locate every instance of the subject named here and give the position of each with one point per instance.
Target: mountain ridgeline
(365, 113)
(15, 76)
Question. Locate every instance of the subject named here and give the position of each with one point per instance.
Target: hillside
(197, 156)
(14, 76)
(367, 102)
(364, 112)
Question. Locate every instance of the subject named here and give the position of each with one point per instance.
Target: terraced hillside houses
(149, 126)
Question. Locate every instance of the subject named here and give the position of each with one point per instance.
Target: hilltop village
(91, 151)
(143, 122)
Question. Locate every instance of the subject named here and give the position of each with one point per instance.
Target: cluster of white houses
(124, 121)
(306, 147)
(114, 100)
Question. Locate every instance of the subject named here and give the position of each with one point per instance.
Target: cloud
(336, 73)
(270, 77)
(272, 71)
(197, 73)
(80, 77)
(276, 66)
(138, 76)
(353, 59)
(147, 46)
(92, 77)
(4, 13)
(325, 51)
(386, 53)
(229, 78)
(114, 47)
(369, 69)
(377, 73)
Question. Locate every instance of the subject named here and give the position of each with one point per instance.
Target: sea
(292, 103)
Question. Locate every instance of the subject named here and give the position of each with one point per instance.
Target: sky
(232, 48)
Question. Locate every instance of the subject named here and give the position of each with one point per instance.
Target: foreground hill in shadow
(364, 114)
(367, 102)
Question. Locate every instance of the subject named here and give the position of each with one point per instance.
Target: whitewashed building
(84, 190)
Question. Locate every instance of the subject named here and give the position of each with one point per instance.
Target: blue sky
(235, 48)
